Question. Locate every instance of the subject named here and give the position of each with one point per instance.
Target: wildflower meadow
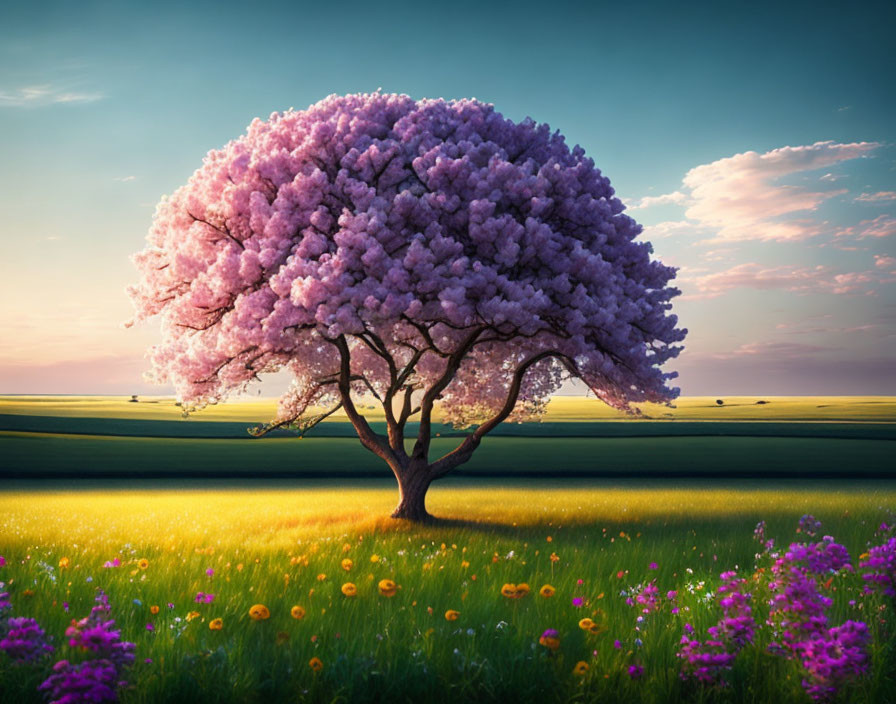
(606, 592)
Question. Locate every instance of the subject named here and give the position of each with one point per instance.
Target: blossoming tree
(409, 251)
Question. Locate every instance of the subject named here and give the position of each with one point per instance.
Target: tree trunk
(412, 487)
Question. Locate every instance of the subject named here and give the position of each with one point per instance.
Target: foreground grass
(270, 544)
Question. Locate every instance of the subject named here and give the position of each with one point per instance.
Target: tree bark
(412, 487)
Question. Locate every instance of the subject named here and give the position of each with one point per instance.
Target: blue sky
(755, 143)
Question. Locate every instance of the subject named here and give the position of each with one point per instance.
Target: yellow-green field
(561, 408)
(283, 546)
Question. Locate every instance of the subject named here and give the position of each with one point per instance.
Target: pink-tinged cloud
(750, 275)
(881, 226)
(879, 197)
(740, 198)
(674, 198)
(882, 261)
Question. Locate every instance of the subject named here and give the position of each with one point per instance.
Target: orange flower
(64, 563)
(153, 609)
(192, 615)
(142, 563)
(349, 589)
(451, 615)
(297, 612)
(347, 564)
(509, 590)
(216, 624)
(555, 557)
(581, 668)
(522, 589)
(259, 612)
(586, 624)
(387, 587)
(316, 664)
(547, 591)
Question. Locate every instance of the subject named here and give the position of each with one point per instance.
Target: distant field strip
(191, 428)
(36, 455)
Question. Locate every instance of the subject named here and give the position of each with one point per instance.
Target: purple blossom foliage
(880, 569)
(429, 226)
(24, 640)
(647, 598)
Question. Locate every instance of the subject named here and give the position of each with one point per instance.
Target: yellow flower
(349, 589)
(451, 615)
(374, 558)
(259, 612)
(192, 615)
(581, 668)
(142, 563)
(316, 664)
(509, 590)
(464, 564)
(555, 557)
(153, 609)
(547, 591)
(239, 567)
(387, 587)
(586, 624)
(347, 564)
(297, 612)
(321, 577)
(522, 589)
(346, 547)
(64, 563)
(216, 624)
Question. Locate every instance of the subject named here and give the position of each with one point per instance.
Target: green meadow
(273, 521)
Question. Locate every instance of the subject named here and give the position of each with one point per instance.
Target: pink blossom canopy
(409, 229)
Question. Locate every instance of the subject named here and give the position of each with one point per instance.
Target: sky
(756, 144)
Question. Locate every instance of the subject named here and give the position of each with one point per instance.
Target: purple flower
(150, 627)
(880, 569)
(112, 563)
(617, 644)
(210, 572)
(809, 525)
(653, 566)
(2, 561)
(578, 602)
(24, 640)
(635, 671)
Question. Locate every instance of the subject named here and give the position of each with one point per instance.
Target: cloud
(881, 226)
(831, 178)
(740, 198)
(778, 350)
(879, 197)
(125, 179)
(670, 228)
(750, 275)
(674, 198)
(46, 94)
(882, 261)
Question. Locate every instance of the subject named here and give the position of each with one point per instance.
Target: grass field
(667, 500)
(271, 544)
(104, 437)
